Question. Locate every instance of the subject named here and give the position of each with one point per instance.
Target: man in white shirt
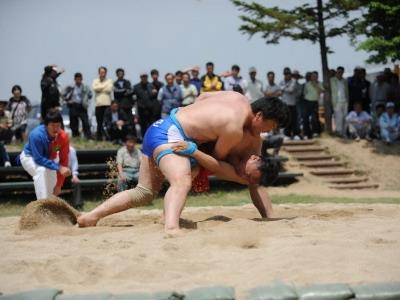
(75, 182)
(340, 100)
(272, 90)
(254, 87)
(189, 91)
(359, 122)
(289, 96)
(234, 82)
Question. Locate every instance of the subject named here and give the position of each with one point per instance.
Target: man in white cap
(254, 87)
(389, 124)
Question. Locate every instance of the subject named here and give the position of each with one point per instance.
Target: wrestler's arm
(221, 169)
(261, 200)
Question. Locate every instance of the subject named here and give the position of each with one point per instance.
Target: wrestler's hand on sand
(64, 171)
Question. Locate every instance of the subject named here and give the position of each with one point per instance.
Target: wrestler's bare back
(216, 116)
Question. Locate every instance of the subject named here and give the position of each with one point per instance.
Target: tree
(305, 22)
(381, 24)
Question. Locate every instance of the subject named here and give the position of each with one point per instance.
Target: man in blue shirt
(45, 154)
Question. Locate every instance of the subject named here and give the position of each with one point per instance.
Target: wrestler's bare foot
(172, 232)
(87, 220)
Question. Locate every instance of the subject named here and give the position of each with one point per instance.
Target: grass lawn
(14, 207)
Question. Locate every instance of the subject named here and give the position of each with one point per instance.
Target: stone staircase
(321, 163)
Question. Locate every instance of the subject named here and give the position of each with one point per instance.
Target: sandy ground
(351, 243)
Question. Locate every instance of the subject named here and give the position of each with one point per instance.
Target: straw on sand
(45, 212)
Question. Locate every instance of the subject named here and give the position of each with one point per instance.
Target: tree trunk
(325, 68)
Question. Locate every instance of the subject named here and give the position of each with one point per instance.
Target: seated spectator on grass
(75, 182)
(116, 123)
(358, 122)
(389, 124)
(375, 116)
(189, 91)
(4, 158)
(128, 163)
(5, 123)
(19, 106)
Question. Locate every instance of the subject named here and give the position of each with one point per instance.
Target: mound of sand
(320, 243)
(47, 212)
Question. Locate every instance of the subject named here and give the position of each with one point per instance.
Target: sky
(139, 35)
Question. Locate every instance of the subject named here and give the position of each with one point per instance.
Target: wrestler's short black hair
(53, 116)
(269, 167)
(272, 109)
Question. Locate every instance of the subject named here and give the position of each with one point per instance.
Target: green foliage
(299, 23)
(381, 25)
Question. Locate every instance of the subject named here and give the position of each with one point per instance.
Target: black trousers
(292, 128)
(6, 135)
(99, 119)
(76, 112)
(3, 155)
(310, 113)
(114, 133)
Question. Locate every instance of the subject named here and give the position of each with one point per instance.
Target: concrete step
(312, 157)
(328, 172)
(346, 180)
(298, 143)
(321, 164)
(304, 149)
(355, 186)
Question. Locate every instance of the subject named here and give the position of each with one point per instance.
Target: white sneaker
(7, 164)
(286, 138)
(296, 138)
(305, 138)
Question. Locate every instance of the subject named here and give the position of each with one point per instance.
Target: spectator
(340, 101)
(47, 143)
(210, 81)
(379, 91)
(389, 124)
(50, 89)
(157, 85)
(128, 164)
(145, 102)
(19, 106)
(75, 181)
(394, 91)
(178, 77)
(195, 80)
(234, 82)
(77, 96)
(254, 87)
(103, 88)
(272, 90)
(116, 123)
(300, 97)
(5, 123)
(312, 91)
(359, 123)
(4, 158)
(170, 96)
(189, 91)
(288, 89)
(359, 89)
(375, 116)
(123, 93)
